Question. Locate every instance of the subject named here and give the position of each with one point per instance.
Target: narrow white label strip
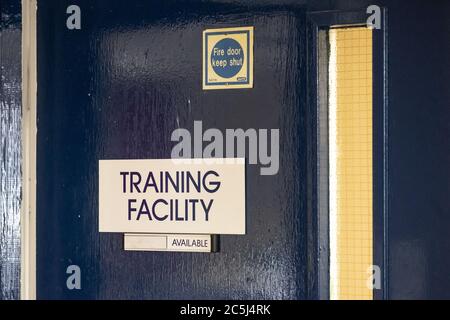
(167, 242)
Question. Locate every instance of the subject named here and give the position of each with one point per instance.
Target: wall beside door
(10, 147)
(418, 127)
(419, 156)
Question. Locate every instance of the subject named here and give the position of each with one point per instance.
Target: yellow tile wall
(352, 85)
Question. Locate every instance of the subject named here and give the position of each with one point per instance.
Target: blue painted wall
(419, 150)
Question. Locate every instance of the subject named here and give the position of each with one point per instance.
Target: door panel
(116, 89)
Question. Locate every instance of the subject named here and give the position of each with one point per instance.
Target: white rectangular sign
(204, 196)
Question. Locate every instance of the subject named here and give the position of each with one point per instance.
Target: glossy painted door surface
(116, 89)
(10, 148)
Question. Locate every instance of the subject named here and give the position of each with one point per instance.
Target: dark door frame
(318, 210)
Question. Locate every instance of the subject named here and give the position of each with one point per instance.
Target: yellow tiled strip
(350, 144)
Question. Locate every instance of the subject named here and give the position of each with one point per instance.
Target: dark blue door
(116, 89)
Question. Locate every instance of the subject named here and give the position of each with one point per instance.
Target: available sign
(166, 196)
(168, 242)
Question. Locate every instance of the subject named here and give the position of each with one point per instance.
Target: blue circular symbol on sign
(227, 58)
